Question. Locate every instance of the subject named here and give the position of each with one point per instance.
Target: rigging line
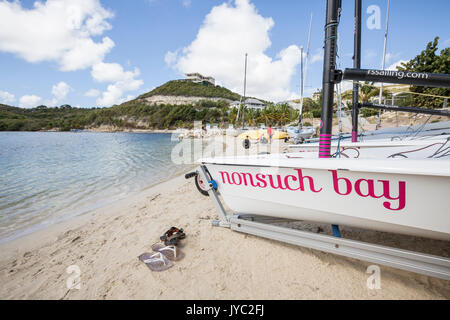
(414, 150)
(423, 94)
(421, 127)
(445, 155)
(440, 148)
(407, 92)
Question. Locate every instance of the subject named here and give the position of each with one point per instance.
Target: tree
(366, 92)
(429, 61)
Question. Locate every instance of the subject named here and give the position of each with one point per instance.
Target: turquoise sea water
(52, 176)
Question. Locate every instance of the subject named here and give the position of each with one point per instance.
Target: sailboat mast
(245, 89)
(384, 60)
(300, 119)
(329, 75)
(356, 65)
(245, 85)
(305, 73)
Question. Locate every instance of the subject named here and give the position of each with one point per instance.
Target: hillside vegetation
(139, 114)
(42, 118)
(136, 115)
(190, 89)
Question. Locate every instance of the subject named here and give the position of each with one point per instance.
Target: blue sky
(115, 50)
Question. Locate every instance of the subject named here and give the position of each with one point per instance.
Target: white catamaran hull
(394, 198)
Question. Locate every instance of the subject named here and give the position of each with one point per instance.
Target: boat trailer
(426, 264)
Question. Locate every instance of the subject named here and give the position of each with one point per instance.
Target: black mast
(329, 76)
(356, 65)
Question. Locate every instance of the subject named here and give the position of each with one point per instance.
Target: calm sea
(47, 177)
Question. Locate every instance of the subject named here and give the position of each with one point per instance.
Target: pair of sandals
(162, 257)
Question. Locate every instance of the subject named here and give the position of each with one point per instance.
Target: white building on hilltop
(198, 78)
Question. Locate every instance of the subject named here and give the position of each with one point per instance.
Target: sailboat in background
(300, 133)
(383, 62)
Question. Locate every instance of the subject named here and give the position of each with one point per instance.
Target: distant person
(270, 133)
(247, 143)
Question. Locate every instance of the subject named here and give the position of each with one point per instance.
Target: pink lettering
(311, 181)
(286, 182)
(336, 183)
(234, 180)
(401, 195)
(261, 178)
(370, 188)
(222, 173)
(280, 185)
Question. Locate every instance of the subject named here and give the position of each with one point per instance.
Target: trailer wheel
(203, 186)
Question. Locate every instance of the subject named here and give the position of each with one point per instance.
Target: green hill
(41, 118)
(134, 114)
(190, 89)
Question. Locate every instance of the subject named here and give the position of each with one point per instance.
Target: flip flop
(170, 252)
(156, 261)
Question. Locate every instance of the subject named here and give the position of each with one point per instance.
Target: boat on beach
(391, 195)
(303, 132)
(392, 185)
(259, 133)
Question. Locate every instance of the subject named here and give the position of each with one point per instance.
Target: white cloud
(6, 97)
(396, 64)
(92, 93)
(60, 91)
(56, 30)
(123, 81)
(29, 101)
(171, 58)
(391, 56)
(112, 72)
(111, 96)
(63, 31)
(228, 32)
(317, 56)
(114, 92)
(85, 54)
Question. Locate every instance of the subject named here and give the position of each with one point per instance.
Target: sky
(97, 53)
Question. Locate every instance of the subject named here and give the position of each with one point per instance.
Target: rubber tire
(197, 184)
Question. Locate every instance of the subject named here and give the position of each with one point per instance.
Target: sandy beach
(219, 263)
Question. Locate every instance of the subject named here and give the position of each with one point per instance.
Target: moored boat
(301, 133)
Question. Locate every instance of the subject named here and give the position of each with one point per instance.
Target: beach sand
(219, 263)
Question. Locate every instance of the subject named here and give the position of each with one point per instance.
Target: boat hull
(412, 204)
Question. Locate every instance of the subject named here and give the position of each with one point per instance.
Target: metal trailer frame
(426, 264)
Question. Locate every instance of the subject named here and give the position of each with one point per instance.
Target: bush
(368, 112)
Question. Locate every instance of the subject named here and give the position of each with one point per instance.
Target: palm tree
(232, 115)
(283, 113)
(366, 92)
(223, 114)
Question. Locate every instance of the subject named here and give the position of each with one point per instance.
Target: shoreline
(218, 263)
(77, 221)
